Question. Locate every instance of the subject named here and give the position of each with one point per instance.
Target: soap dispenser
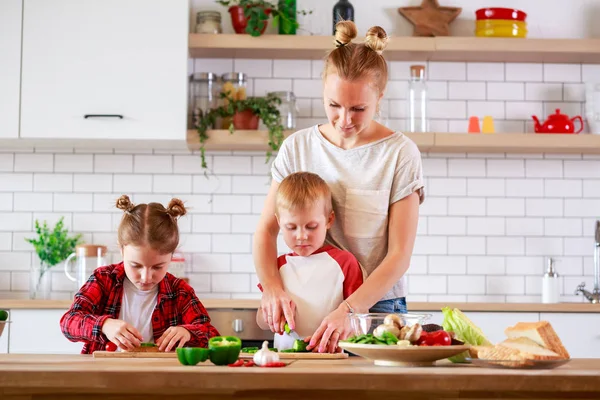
(550, 289)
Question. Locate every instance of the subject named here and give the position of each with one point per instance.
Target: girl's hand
(122, 334)
(335, 327)
(175, 336)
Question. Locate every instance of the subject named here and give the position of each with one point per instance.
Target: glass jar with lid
(288, 109)
(235, 85)
(204, 95)
(208, 22)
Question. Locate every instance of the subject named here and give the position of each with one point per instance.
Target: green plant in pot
(252, 16)
(52, 247)
(245, 115)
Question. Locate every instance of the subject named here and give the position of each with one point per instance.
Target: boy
(317, 276)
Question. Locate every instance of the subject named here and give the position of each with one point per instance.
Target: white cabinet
(10, 66)
(104, 69)
(38, 331)
(580, 333)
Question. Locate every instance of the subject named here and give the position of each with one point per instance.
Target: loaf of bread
(541, 333)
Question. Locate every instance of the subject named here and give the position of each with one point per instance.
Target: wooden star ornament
(430, 19)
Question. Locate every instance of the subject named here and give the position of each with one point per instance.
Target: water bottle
(417, 100)
(342, 11)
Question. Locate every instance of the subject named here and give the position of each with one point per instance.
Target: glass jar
(208, 22)
(204, 95)
(235, 85)
(288, 109)
(178, 267)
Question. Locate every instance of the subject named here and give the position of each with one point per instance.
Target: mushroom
(393, 320)
(411, 333)
(378, 332)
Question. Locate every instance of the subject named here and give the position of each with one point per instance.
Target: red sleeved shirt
(100, 298)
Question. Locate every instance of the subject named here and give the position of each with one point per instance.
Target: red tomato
(110, 346)
(440, 338)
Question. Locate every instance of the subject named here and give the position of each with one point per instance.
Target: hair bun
(176, 208)
(124, 203)
(345, 31)
(376, 39)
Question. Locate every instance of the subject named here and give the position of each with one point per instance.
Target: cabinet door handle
(86, 116)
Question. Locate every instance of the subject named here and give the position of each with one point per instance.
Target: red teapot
(557, 123)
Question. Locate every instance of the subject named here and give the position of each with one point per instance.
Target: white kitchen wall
(488, 223)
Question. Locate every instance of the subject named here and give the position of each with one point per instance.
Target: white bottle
(550, 290)
(417, 101)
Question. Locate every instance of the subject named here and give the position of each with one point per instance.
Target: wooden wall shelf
(401, 48)
(430, 142)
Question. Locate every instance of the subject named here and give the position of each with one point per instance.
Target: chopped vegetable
(299, 346)
(192, 355)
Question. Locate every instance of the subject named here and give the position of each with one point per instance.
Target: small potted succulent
(252, 16)
(245, 114)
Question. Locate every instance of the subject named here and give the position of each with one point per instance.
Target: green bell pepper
(299, 346)
(224, 350)
(192, 355)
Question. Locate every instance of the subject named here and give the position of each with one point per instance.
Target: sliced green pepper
(146, 344)
(389, 338)
(192, 355)
(224, 350)
(286, 328)
(288, 351)
(299, 346)
(249, 350)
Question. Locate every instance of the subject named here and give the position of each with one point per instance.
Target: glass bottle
(342, 11)
(417, 100)
(287, 8)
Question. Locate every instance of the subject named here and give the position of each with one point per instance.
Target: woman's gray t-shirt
(364, 182)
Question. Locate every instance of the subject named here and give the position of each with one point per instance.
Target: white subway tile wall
(487, 226)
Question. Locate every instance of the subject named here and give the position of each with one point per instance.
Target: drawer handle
(86, 116)
(238, 325)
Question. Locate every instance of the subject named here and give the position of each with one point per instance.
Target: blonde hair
(301, 190)
(150, 224)
(353, 61)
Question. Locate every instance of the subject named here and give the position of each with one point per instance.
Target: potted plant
(52, 247)
(245, 114)
(251, 16)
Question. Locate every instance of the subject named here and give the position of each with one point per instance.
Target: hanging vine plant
(244, 114)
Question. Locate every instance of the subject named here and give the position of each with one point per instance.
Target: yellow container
(499, 23)
(502, 32)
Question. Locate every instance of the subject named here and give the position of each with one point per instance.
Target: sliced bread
(541, 333)
(529, 349)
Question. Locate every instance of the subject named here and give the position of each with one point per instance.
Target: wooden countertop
(76, 376)
(416, 306)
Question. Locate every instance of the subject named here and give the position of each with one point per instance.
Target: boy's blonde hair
(301, 190)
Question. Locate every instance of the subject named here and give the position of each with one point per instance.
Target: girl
(376, 181)
(137, 300)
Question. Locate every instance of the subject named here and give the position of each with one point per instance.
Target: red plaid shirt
(100, 298)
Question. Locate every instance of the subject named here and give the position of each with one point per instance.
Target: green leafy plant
(52, 246)
(264, 107)
(255, 12)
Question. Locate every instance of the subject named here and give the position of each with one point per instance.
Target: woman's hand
(335, 327)
(277, 308)
(121, 333)
(175, 336)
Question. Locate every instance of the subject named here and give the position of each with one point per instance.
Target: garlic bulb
(265, 356)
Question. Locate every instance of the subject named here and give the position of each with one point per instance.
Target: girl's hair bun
(376, 39)
(124, 203)
(345, 31)
(176, 208)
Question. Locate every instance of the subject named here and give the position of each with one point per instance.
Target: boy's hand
(175, 336)
(121, 333)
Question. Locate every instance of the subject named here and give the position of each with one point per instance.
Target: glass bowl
(363, 324)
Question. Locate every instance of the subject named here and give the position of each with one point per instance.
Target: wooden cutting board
(172, 354)
(304, 356)
(133, 354)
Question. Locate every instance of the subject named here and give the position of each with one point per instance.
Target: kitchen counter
(81, 376)
(416, 306)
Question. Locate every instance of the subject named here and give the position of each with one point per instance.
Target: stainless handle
(238, 325)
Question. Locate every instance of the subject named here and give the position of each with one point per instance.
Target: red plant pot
(245, 120)
(239, 20)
